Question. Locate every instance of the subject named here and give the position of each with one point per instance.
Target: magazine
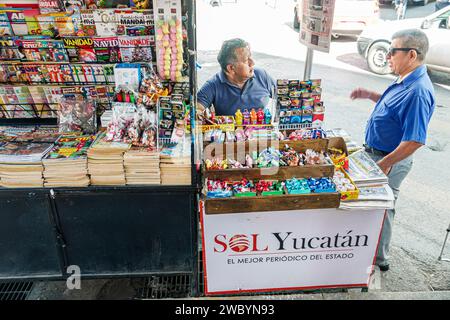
(18, 22)
(105, 22)
(17, 151)
(107, 49)
(88, 23)
(136, 49)
(80, 49)
(9, 50)
(49, 6)
(71, 147)
(135, 22)
(5, 26)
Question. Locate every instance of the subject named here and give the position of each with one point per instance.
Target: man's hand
(385, 166)
(360, 93)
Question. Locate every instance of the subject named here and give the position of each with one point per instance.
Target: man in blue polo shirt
(239, 84)
(398, 124)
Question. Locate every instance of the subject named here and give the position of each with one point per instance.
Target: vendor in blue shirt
(239, 84)
(399, 122)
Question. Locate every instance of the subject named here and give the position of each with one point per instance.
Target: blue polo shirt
(402, 113)
(227, 97)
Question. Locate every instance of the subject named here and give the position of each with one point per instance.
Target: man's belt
(375, 151)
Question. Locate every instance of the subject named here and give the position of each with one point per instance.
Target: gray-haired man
(399, 122)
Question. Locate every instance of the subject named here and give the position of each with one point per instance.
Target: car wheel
(376, 58)
(296, 22)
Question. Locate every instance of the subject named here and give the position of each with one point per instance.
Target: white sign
(316, 24)
(289, 250)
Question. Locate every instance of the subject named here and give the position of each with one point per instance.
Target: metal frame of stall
(122, 231)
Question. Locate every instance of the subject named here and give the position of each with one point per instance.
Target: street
(422, 213)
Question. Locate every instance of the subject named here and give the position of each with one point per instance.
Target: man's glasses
(392, 51)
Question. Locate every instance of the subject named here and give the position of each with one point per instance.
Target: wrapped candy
(321, 185)
(218, 189)
(260, 116)
(342, 183)
(289, 157)
(244, 188)
(269, 157)
(216, 164)
(313, 157)
(297, 186)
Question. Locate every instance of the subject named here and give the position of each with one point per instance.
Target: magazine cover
(46, 24)
(72, 6)
(5, 26)
(18, 24)
(88, 23)
(64, 24)
(107, 49)
(37, 94)
(80, 49)
(20, 111)
(24, 151)
(9, 50)
(71, 147)
(23, 94)
(99, 76)
(135, 22)
(136, 49)
(55, 74)
(49, 6)
(31, 21)
(105, 23)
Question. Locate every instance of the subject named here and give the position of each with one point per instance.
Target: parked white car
(373, 43)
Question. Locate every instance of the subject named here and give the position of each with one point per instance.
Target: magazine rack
(110, 231)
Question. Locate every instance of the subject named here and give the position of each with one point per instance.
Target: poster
(316, 24)
(289, 250)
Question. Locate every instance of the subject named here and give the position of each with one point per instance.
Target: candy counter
(270, 204)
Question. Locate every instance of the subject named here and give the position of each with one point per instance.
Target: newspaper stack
(364, 171)
(141, 167)
(66, 163)
(175, 164)
(372, 197)
(105, 161)
(20, 164)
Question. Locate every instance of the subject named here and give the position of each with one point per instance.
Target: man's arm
(361, 93)
(404, 150)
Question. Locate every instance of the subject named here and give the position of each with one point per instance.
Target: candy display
(342, 182)
(299, 102)
(269, 157)
(304, 134)
(297, 186)
(244, 188)
(269, 188)
(218, 189)
(321, 185)
(171, 111)
(289, 157)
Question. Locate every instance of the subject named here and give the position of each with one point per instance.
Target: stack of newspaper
(374, 191)
(21, 165)
(105, 161)
(141, 166)
(66, 164)
(175, 164)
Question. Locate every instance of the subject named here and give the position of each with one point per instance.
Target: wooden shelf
(272, 203)
(283, 173)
